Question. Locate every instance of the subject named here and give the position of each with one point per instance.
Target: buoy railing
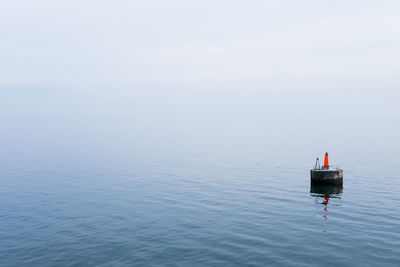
(330, 167)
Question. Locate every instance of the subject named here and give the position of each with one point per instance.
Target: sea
(66, 206)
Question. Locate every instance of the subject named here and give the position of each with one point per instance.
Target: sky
(223, 74)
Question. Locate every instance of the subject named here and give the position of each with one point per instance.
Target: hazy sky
(233, 72)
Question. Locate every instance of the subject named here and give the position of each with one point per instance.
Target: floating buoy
(327, 174)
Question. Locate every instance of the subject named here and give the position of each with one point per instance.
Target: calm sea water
(163, 209)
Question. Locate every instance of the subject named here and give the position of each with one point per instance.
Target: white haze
(195, 75)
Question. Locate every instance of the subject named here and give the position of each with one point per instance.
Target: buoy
(327, 174)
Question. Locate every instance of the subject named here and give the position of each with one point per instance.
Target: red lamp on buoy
(326, 161)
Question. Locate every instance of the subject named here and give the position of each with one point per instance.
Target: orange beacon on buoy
(326, 161)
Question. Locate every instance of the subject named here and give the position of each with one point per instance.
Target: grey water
(142, 208)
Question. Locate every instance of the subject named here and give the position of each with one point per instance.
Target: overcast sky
(220, 69)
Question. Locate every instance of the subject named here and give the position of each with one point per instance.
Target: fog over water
(237, 93)
(201, 74)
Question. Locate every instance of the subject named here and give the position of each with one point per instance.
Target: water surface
(149, 209)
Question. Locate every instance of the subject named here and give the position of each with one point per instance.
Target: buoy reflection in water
(323, 193)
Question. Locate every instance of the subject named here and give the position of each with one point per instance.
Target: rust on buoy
(327, 174)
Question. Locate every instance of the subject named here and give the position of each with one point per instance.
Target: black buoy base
(326, 176)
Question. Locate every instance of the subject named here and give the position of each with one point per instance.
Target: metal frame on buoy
(317, 163)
